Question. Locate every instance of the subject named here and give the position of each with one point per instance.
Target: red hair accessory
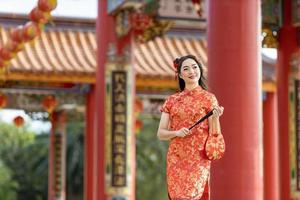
(176, 63)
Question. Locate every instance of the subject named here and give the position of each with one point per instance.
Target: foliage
(151, 162)
(7, 185)
(23, 153)
(75, 156)
(25, 161)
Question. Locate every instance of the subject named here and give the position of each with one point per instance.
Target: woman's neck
(191, 87)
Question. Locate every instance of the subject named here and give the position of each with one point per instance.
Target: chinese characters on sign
(297, 126)
(119, 131)
(180, 9)
(58, 165)
(294, 135)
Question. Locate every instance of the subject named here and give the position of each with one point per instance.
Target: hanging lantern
(6, 55)
(14, 46)
(138, 106)
(3, 100)
(19, 121)
(138, 126)
(47, 5)
(17, 34)
(31, 30)
(39, 16)
(49, 103)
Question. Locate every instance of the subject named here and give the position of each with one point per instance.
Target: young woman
(188, 169)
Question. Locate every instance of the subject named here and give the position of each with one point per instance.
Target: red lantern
(138, 106)
(3, 100)
(31, 30)
(39, 16)
(17, 35)
(6, 55)
(49, 103)
(14, 46)
(47, 5)
(138, 126)
(19, 121)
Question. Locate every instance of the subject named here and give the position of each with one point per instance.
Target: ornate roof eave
(70, 56)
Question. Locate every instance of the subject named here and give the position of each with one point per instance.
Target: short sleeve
(166, 106)
(214, 101)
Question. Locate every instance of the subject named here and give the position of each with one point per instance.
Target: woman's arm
(163, 132)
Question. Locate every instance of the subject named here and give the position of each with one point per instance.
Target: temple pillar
(287, 45)
(57, 157)
(234, 74)
(271, 148)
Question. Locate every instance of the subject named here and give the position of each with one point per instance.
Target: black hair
(178, 64)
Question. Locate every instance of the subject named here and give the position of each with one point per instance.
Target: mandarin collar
(192, 91)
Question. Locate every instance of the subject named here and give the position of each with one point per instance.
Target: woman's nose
(192, 70)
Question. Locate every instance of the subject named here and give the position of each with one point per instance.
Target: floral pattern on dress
(188, 169)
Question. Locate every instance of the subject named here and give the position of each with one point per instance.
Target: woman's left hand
(218, 111)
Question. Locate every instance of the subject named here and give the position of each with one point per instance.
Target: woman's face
(190, 71)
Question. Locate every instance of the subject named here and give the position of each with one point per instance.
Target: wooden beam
(155, 82)
(141, 81)
(59, 78)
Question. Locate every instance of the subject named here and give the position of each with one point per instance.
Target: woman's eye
(194, 67)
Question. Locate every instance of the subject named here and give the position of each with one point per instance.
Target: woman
(187, 167)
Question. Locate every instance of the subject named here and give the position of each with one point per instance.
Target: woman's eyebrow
(188, 66)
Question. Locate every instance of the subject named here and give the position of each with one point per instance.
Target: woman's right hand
(182, 132)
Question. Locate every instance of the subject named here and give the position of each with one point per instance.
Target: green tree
(151, 162)
(7, 185)
(75, 155)
(24, 153)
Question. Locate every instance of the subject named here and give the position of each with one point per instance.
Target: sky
(7, 116)
(65, 8)
(270, 52)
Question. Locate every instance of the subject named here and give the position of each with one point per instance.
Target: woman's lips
(192, 77)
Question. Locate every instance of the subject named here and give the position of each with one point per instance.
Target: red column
(89, 162)
(57, 157)
(51, 164)
(287, 45)
(105, 34)
(234, 75)
(271, 148)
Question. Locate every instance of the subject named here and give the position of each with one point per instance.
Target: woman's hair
(178, 64)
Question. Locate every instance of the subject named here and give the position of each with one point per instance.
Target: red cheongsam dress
(187, 167)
